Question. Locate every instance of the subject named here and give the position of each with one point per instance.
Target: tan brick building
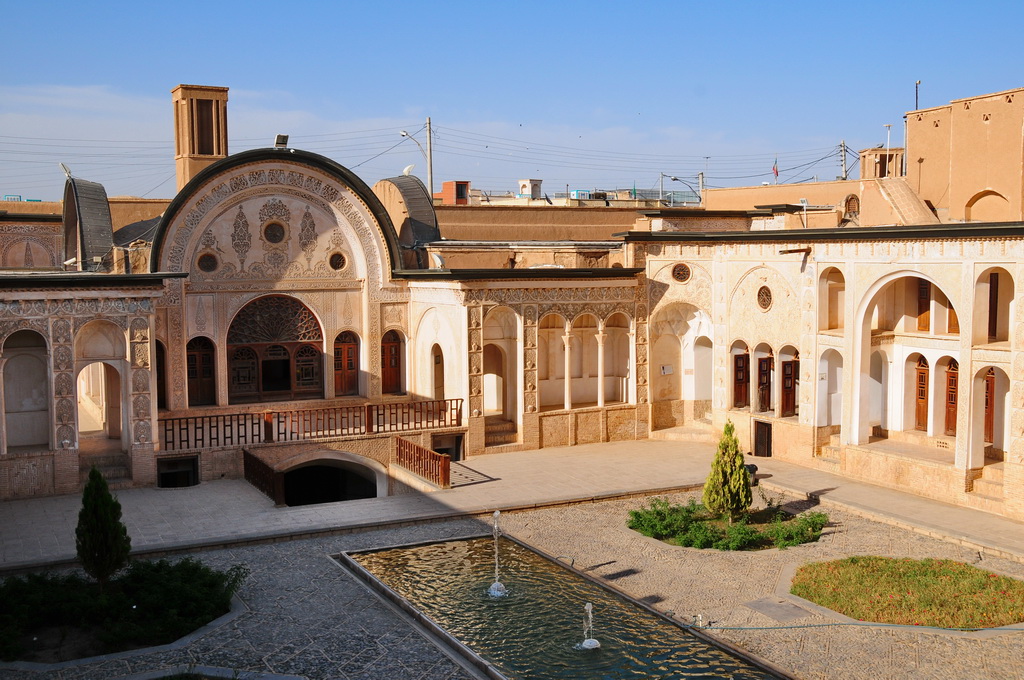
(280, 319)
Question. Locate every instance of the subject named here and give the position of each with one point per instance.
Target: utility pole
(888, 129)
(430, 160)
(842, 152)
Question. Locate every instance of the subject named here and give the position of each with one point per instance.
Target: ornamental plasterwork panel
(299, 182)
(597, 293)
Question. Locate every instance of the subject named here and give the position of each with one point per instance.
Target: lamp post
(428, 156)
(661, 195)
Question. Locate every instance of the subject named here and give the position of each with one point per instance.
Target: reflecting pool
(535, 631)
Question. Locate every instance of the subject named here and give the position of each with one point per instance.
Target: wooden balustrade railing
(213, 431)
(263, 477)
(430, 465)
(240, 429)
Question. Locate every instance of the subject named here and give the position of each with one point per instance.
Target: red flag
(775, 168)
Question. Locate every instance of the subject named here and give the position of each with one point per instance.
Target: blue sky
(590, 95)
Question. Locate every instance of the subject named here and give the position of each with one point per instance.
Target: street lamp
(661, 194)
(427, 156)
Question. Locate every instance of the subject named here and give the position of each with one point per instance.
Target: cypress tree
(101, 538)
(727, 488)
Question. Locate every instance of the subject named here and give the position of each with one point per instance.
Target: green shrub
(664, 520)
(149, 603)
(692, 526)
(740, 536)
(699, 535)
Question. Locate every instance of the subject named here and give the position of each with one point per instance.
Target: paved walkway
(306, 618)
(41, 530)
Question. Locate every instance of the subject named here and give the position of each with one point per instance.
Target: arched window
(391, 351)
(201, 369)
(346, 364)
(274, 343)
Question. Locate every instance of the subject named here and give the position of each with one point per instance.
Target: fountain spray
(496, 589)
(588, 629)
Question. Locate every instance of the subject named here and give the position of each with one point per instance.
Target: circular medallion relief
(681, 272)
(207, 262)
(273, 232)
(764, 297)
(337, 261)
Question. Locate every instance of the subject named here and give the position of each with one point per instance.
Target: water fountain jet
(588, 629)
(497, 589)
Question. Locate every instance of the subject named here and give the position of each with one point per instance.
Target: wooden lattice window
(244, 374)
(275, 318)
(681, 272)
(764, 298)
(307, 367)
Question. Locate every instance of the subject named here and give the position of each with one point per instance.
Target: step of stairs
(686, 433)
(499, 432)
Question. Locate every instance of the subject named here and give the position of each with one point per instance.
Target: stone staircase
(499, 432)
(695, 431)
(907, 204)
(829, 458)
(115, 468)
(987, 493)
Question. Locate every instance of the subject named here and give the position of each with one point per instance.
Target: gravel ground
(307, 617)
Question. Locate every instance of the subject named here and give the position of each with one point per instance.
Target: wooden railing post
(368, 427)
(268, 427)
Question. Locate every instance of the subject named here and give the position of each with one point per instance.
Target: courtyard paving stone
(307, 617)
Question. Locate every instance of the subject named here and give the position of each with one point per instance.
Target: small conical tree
(727, 488)
(101, 538)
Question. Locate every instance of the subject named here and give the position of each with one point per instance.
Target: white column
(600, 368)
(567, 361)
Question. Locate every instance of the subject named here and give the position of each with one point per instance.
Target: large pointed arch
(304, 172)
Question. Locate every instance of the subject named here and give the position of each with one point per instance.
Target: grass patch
(51, 617)
(691, 525)
(929, 592)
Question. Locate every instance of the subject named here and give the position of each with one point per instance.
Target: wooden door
(741, 380)
(762, 438)
(924, 302)
(789, 373)
(346, 364)
(993, 306)
(921, 396)
(200, 369)
(990, 407)
(764, 383)
(391, 363)
(952, 374)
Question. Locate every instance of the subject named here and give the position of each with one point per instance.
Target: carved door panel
(952, 374)
(762, 438)
(990, 395)
(346, 365)
(200, 368)
(741, 381)
(391, 363)
(921, 396)
(789, 373)
(924, 302)
(764, 383)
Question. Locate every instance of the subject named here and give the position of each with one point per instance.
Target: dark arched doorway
(327, 484)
